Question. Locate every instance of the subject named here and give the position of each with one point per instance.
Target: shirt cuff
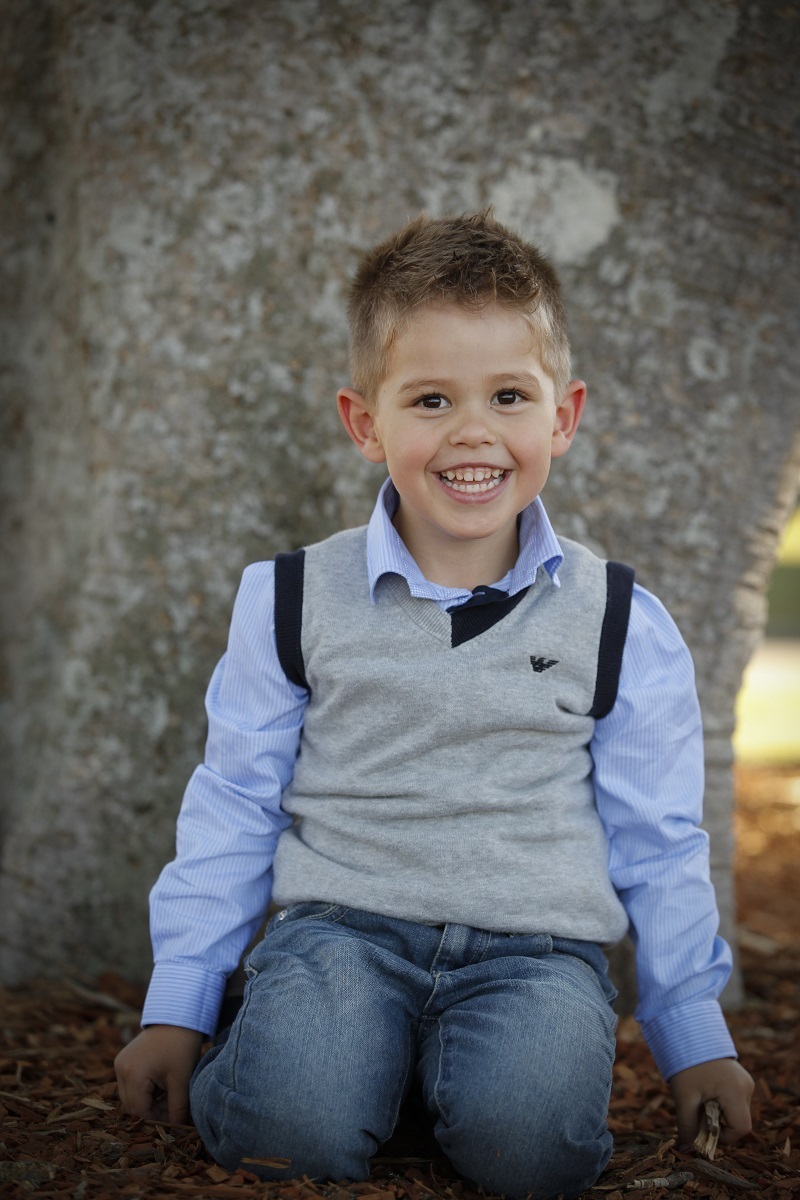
(688, 1034)
(184, 993)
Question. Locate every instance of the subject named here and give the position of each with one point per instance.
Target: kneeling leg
(518, 1074)
(316, 1064)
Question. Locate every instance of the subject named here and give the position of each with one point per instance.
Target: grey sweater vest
(444, 782)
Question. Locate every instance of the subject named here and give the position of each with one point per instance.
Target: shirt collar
(387, 554)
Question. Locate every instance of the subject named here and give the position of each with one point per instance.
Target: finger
(143, 1104)
(159, 1110)
(688, 1113)
(130, 1086)
(178, 1112)
(122, 1083)
(140, 1096)
(127, 1095)
(737, 1120)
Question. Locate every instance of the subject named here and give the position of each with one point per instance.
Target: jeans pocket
(292, 915)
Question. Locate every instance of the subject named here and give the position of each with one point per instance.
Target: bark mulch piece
(62, 1133)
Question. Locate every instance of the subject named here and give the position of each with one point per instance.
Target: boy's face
(467, 421)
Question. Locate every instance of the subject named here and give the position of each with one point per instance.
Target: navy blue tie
(482, 594)
(485, 607)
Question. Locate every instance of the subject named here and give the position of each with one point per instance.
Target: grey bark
(186, 187)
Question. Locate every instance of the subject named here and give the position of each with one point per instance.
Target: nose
(472, 430)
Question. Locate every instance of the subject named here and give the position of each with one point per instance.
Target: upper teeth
(472, 479)
(473, 474)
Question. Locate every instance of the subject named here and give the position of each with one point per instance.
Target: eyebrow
(506, 378)
(422, 385)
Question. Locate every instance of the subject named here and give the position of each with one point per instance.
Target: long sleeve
(208, 902)
(648, 756)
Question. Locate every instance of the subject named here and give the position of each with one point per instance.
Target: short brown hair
(471, 260)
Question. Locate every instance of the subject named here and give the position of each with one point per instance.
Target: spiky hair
(471, 260)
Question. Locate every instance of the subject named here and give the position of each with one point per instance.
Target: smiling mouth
(473, 479)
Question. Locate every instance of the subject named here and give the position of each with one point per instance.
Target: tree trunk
(187, 187)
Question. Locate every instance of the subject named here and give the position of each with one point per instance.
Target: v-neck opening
(452, 629)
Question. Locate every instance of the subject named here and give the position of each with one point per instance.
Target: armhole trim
(289, 571)
(619, 590)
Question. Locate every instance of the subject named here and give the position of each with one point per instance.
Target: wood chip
(708, 1135)
(79, 1114)
(712, 1171)
(675, 1180)
(217, 1174)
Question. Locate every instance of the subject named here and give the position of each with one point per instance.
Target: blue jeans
(511, 1038)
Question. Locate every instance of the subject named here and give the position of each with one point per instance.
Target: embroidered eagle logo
(542, 664)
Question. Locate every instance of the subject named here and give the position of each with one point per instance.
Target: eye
(508, 398)
(432, 403)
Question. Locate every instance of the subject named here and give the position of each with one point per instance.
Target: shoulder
(651, 611)
(320, 574)
(580, 560)
(654, 637)
(582, 567)
(577, 551)
(259, 577)
(341, 544)
(337, 559)
(657, 707)
(256, 594)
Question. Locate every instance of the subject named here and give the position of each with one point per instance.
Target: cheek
(412, 446)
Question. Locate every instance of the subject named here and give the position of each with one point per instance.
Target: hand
(153, 1073)
(722, 1079)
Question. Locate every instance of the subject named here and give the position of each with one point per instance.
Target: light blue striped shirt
(648, 758)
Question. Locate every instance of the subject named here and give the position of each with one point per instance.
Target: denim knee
(293, 1131)
(522, 1087)
(318, 1059)
(550, 1162)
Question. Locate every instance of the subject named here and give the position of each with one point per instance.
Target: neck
(464, 564)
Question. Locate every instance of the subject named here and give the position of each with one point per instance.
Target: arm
(648, 755)
(208, 903)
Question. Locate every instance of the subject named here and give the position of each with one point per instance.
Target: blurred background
(768, 705)
(767, 815)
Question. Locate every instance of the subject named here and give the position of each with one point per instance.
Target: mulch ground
(63, 1135)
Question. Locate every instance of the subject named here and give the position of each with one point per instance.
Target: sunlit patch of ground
(768, 706)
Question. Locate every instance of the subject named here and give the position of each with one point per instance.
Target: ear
(568, 415)
(359, 421)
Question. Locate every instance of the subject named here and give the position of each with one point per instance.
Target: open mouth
(473, 479)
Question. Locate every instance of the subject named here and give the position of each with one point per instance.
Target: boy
(471, 755)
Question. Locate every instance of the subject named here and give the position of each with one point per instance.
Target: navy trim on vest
(470, 621)
(289, 569)
(619, 590)
(466, 623)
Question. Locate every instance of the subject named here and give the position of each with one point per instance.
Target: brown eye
(433, 403)
(508, 398)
